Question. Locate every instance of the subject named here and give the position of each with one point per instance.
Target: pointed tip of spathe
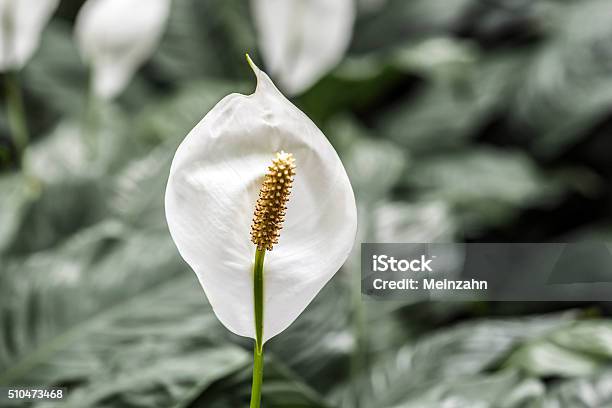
(263, 81)
(254, 67)
(251, 63)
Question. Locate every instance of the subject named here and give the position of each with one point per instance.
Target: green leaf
(427, 221)
(67, 173)
(542, 358)
(281, 389)
(568, 83)
(580, 349)
(588, 392)
(137, 191)
(447, 357)
(505, 390)
(589, 336)
(56, 74)
(204, 39)
(399, 20)
(373, 165)
(172, 118)
(114, 316)
(319, 340)
(449, 109)
(17, 191)
(484, 186)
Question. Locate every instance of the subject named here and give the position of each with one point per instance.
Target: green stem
(258, 296)
(16, 112)
(359, 358)
(257, 377)
(90, 119)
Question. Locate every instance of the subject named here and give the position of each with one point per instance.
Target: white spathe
(116, 37)
(301, 40)
(211, 194)
(21, 25)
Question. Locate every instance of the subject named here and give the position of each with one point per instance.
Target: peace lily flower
(21, 24)
(116, 37)
(254, 176)
(301, 40)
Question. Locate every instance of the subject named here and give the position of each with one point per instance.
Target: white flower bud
(21, 25)
(301, 40)
(116, 37)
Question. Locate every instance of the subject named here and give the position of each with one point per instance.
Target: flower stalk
(90, 118)
(16, 113)
(258, 296)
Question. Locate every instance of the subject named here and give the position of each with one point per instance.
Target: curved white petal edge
(116, 37)
(211, 194)
(301, 40)
(21, 25)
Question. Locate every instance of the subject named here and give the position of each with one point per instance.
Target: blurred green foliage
(456, 120)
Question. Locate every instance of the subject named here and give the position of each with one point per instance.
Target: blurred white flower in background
(116, 37)
(21, 25)
(301, 40)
